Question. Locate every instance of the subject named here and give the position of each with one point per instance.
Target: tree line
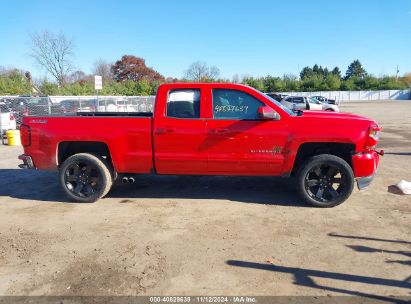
(130, 75)
(317, 78)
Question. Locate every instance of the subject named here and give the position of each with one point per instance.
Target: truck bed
(126, 135)
(116, 114)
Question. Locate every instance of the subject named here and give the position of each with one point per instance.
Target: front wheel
(85, 177)
(325, 180)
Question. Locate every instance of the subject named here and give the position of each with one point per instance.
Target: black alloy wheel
(82, 178)
(325, 180)
(85, 177)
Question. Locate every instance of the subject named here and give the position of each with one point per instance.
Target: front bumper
(365, 167)
(27, 162)
(364, 182)
(365, 163)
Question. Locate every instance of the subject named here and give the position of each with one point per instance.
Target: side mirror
(267, 113)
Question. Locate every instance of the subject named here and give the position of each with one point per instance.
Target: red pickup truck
(206, 129)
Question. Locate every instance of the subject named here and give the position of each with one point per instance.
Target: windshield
(290, 112)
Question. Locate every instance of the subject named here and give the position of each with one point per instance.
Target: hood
(333, 115)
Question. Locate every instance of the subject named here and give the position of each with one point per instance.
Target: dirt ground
(210, 235)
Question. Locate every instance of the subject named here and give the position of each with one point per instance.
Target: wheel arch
(66, 149)
(307, 150)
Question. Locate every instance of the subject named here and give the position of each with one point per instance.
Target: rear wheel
(85, 177)
(325, 180)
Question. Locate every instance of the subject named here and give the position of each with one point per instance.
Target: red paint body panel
(365, 164)
(128, 139)
(204, 145)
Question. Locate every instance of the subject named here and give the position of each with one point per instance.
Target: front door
(238, 142)
(180, 134)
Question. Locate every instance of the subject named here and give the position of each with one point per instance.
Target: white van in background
(7, 119)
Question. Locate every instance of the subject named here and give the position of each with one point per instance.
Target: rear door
(180, 133)
(238, 142)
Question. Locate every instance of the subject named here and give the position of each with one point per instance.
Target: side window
(183, 103)
(298, 100)
(233, 104)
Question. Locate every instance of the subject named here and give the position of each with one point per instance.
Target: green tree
(273, 84)
(391, 83)
(349, 84)
(49, 88)
(306, 72)
(333, 82)
(336, 71)
(143, 88)
(291, 82)
(355, 69)
(371, 83)
(13, 82)
(254, 82)
(312, 83)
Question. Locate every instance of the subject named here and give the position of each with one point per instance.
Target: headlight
(375, 134)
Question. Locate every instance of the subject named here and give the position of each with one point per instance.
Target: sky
(253, 38)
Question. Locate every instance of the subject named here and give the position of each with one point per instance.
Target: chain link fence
(14, 108)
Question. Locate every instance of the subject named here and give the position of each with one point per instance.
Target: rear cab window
(183, 103)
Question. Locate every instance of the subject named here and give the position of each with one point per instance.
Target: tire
(85, 177)
(325, 180)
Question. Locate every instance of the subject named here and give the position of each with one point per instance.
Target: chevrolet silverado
(206, 129)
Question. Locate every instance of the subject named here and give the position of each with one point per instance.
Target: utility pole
(398, 71)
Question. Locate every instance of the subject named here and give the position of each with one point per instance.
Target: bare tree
(200, 71)
(103, 68)
(54, 53)
(76, 76)
(236, 78)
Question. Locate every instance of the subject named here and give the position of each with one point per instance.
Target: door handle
(165, 130)
(218, 131)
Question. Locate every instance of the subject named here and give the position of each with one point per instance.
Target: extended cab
(206, 129)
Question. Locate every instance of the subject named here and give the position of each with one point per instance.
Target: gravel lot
(210, 235)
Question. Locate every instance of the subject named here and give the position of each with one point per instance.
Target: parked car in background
(307, 103)
(323, 99)
(28, 105)
(7, 119)
(276, 96)
(40, 105)
(76, 105)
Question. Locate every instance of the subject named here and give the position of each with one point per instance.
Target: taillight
(373, 137)
(11, 116)
(25, 135)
